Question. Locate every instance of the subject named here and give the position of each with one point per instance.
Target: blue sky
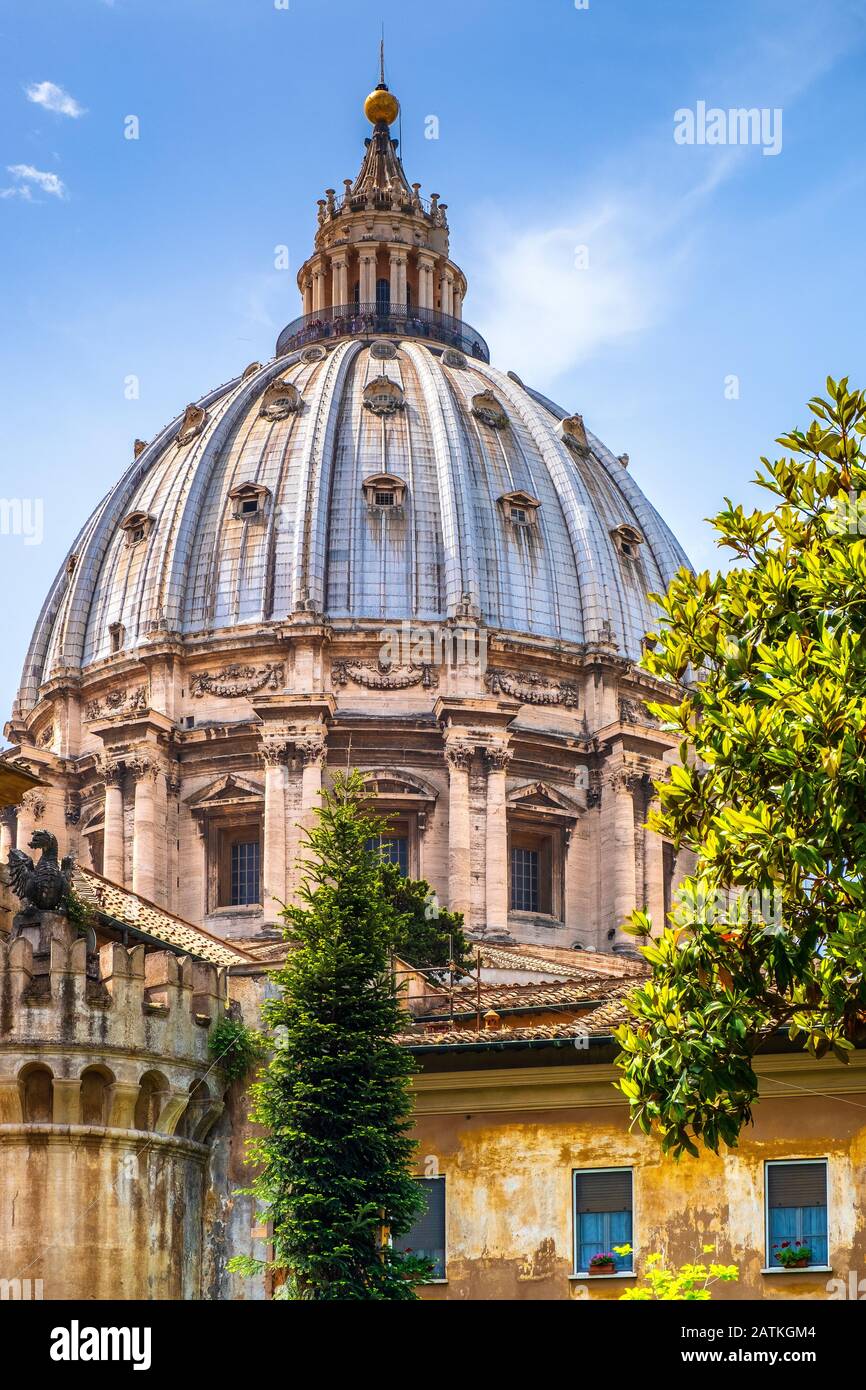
(154, 257)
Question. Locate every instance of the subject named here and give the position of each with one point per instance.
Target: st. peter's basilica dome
(213, 640)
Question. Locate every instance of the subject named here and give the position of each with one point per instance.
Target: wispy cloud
(27, 178)
(554, 293)
(54, 98)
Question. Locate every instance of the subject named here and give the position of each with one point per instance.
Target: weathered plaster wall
(508, 1166)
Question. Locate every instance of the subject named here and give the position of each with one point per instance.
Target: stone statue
(42, 887)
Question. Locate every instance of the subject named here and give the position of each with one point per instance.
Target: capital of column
(458, 754)
(33, 804)
(625, 779)
(143, 767)
(110, 770)
(7, 816)
(311, 749)
(275, 749)
(497, 756)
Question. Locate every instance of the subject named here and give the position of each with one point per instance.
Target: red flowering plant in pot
(603, 1263)
(793, 1254)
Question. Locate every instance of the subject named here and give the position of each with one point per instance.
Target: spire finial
(381, 106)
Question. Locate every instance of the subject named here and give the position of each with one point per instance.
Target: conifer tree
(336, 1156)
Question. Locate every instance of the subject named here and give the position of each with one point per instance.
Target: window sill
(241, 910)
(804, 1269)
(620, 1274)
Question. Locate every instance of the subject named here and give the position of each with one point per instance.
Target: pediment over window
(227, 793)
(539, 798)
(384, 490)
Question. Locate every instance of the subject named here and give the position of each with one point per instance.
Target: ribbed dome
(171, 549)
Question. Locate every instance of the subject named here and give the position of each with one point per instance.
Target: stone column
(458, 754)
(7, 827)
(340, 277)
(497, 758)
(311, 749)
(457, 305)
(308, 295)
(446, 289)
(398, 276)
(654, 871)
(112, 837)
(146, 772)
(425, 280)
(625, 892)
(275, 754)
(368, 276)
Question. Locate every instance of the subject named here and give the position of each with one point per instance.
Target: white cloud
(27, 175)
(54, 98)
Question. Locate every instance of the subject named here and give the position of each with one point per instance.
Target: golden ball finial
(381, 105)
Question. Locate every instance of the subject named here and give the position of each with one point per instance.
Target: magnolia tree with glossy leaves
(770, 791)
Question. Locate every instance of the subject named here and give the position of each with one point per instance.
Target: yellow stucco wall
(507, 1143)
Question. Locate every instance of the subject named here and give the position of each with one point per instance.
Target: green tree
(335, 1098)
(770, 791)
(426, 934)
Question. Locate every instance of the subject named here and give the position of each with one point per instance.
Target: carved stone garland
(234, 681)
(375, 675)
(532, 689)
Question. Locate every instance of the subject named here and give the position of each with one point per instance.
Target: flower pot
(797, 1264)
(603, 1269)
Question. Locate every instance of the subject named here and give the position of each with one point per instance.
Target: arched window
(383, 296)
(94, 1096)
(153, 1089)
(37, 1095)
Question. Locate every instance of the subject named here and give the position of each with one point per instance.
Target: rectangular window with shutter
(602, 1215)
(426, 1239)
(796, 1194)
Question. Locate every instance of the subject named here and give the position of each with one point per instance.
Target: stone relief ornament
(281, 399)
(250, 370)
(234, 681)
(574, 434)
(532, 689)
(193, 422)
(47, 736)
(33, 802)
(487, 409)
(377, 675)
(635, 712)
(117, 702)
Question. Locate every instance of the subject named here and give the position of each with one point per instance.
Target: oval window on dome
(382, 349)
(312, 354)
(136, 527)
(452, 358)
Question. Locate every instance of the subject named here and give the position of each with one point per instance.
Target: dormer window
(248, 500)
(383, 396)
(627, 541)
(519, 508)
(384, 491)
(136, 527)
(281, 399)
(116, 634)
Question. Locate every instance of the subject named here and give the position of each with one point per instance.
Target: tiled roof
(597, 1022)
(546, 994)
(134, 911)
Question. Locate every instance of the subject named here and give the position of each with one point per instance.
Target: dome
(174, 550)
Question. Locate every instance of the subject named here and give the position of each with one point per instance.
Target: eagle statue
(45, 886)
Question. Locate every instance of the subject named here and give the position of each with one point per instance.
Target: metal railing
(372, 320)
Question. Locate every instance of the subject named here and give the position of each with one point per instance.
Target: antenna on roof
(382, 56)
